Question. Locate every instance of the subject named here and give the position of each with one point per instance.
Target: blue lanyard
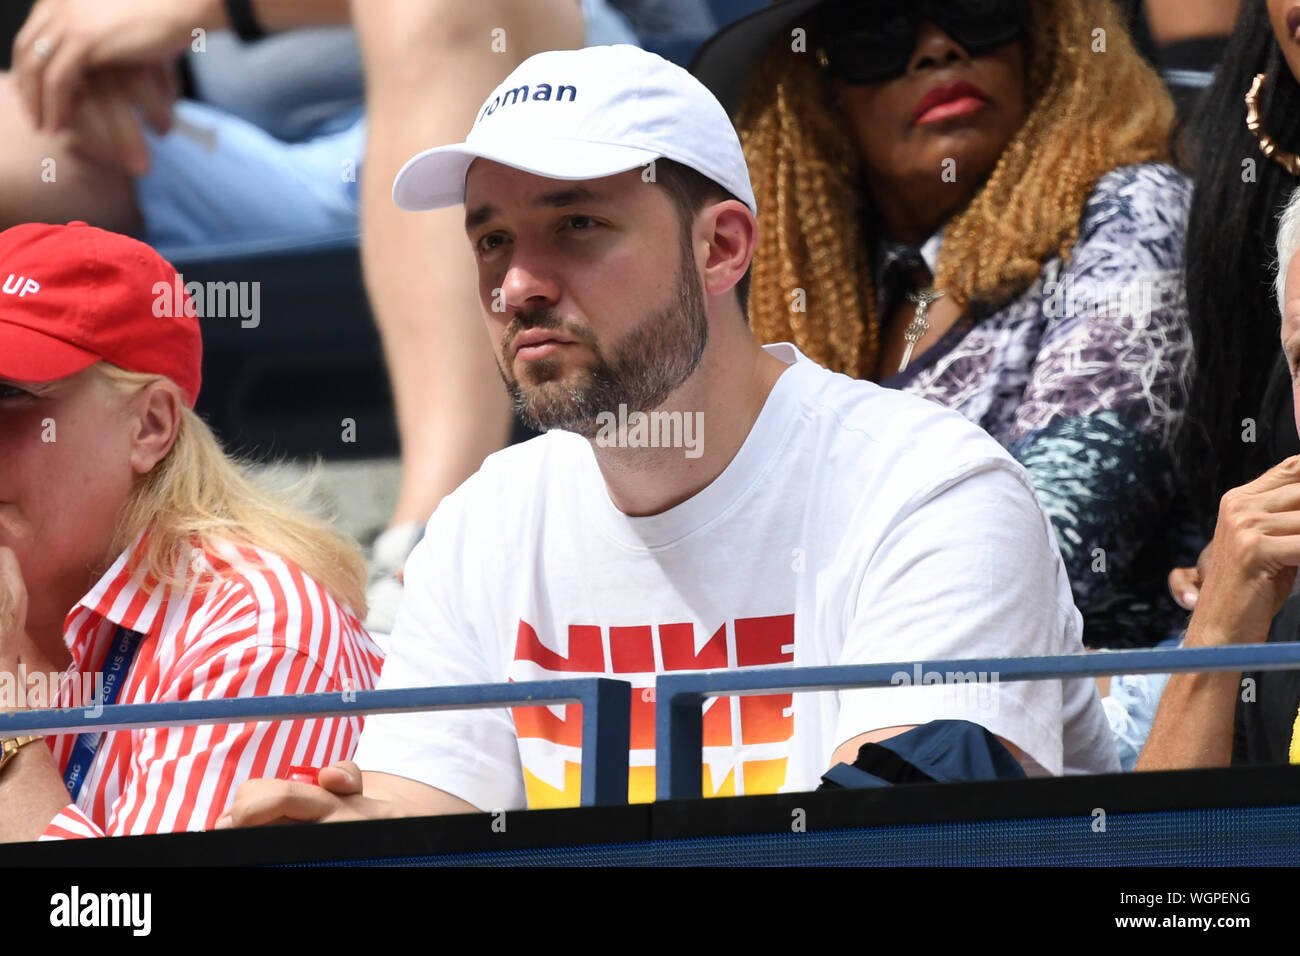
(116, 664)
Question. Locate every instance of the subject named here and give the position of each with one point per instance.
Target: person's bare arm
(345, 793)
(1194, 722)
(429, 64)
(276, 15)
(1173, 20)
(31, 794)
(1251, 571)
(63, 42)
(31, 791)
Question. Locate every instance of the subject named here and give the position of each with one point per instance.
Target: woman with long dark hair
(1238, 420)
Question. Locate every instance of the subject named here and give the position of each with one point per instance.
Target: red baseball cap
(73, 295)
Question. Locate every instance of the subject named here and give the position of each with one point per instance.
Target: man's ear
(157, 409)
(732, 234)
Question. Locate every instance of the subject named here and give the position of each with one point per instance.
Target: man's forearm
(1195, 720)
(1193, 727)
(31, 794)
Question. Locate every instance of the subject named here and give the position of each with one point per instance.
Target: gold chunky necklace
(1267, 144)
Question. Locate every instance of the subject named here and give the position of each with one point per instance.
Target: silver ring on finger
(43, 47)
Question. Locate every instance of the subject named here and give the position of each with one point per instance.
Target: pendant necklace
(919, 325)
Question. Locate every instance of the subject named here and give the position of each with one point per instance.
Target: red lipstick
(948, 101)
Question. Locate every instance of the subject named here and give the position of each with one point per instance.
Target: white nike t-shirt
(855, 525)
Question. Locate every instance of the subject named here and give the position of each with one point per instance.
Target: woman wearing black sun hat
(971, 200)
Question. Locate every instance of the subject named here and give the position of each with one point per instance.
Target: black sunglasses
(869, 41)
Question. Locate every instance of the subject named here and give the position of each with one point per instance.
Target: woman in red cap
(138, 563)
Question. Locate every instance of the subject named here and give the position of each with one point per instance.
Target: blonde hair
(198, 496)
(1088, 113)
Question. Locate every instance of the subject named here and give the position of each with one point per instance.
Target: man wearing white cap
(699, 501)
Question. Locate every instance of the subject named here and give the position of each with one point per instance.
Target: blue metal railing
(679, 697)
(606, 703)
(606, 708)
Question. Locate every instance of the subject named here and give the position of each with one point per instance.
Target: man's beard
(648, 365)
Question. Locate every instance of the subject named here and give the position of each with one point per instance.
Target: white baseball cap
(586, 114)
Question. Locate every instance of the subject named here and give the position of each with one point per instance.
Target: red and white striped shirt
(263, 628)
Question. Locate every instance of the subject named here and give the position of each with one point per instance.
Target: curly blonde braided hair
(1089, 112)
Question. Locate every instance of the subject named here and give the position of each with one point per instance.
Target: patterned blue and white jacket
(1083, 377)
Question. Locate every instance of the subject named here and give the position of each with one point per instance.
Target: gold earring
(1267, 145)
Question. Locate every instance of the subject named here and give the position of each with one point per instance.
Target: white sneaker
(384, 593)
